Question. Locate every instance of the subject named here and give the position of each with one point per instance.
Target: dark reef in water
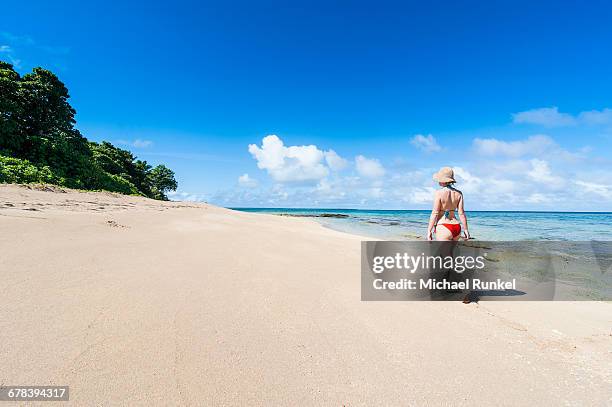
(320, 215)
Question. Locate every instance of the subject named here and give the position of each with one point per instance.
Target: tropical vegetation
(40, 143)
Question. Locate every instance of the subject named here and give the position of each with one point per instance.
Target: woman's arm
(435, 216)
(463, 217)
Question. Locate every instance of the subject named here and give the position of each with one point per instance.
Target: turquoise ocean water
(408, 224)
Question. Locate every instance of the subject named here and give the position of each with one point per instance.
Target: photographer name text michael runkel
(434, 284)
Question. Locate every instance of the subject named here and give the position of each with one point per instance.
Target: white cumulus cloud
(494, 173)
(532, 145)
(594, 117)
(544, 116)
(595, 188)
(421, 195)
(335, 162)
(426, 143)
(552, 117)
(138, 143)
(369, 167)
(245, 181)
(541, 173)
(293, 163)
(536, 198)
(469, 182)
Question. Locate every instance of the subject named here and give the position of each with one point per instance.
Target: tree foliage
(14, 170)
(161, 179)
(39, 142)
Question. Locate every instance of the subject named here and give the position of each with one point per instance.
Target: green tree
(10, 109)
(122, 163)
(162, 180)
(47, 126)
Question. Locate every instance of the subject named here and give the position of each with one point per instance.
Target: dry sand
(131, 301)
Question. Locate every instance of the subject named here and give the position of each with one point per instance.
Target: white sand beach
(132, 301)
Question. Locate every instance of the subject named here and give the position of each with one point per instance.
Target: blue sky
(512, 94)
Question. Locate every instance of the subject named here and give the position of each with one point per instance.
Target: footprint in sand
(507, 322)
(114, 224)
(513, 325)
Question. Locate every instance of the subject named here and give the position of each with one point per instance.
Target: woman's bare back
(449, 200)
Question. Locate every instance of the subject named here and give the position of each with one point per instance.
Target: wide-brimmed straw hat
(445, 174)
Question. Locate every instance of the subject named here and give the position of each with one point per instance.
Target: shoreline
(197, 304)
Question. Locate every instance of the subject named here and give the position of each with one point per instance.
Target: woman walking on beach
(447, 201)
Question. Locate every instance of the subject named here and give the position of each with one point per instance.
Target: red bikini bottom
(454, 228)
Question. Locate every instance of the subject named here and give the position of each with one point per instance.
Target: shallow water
(408, 224)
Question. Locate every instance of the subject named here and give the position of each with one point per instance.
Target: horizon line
(411, 210)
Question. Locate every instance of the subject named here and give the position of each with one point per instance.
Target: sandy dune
(131, 301)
